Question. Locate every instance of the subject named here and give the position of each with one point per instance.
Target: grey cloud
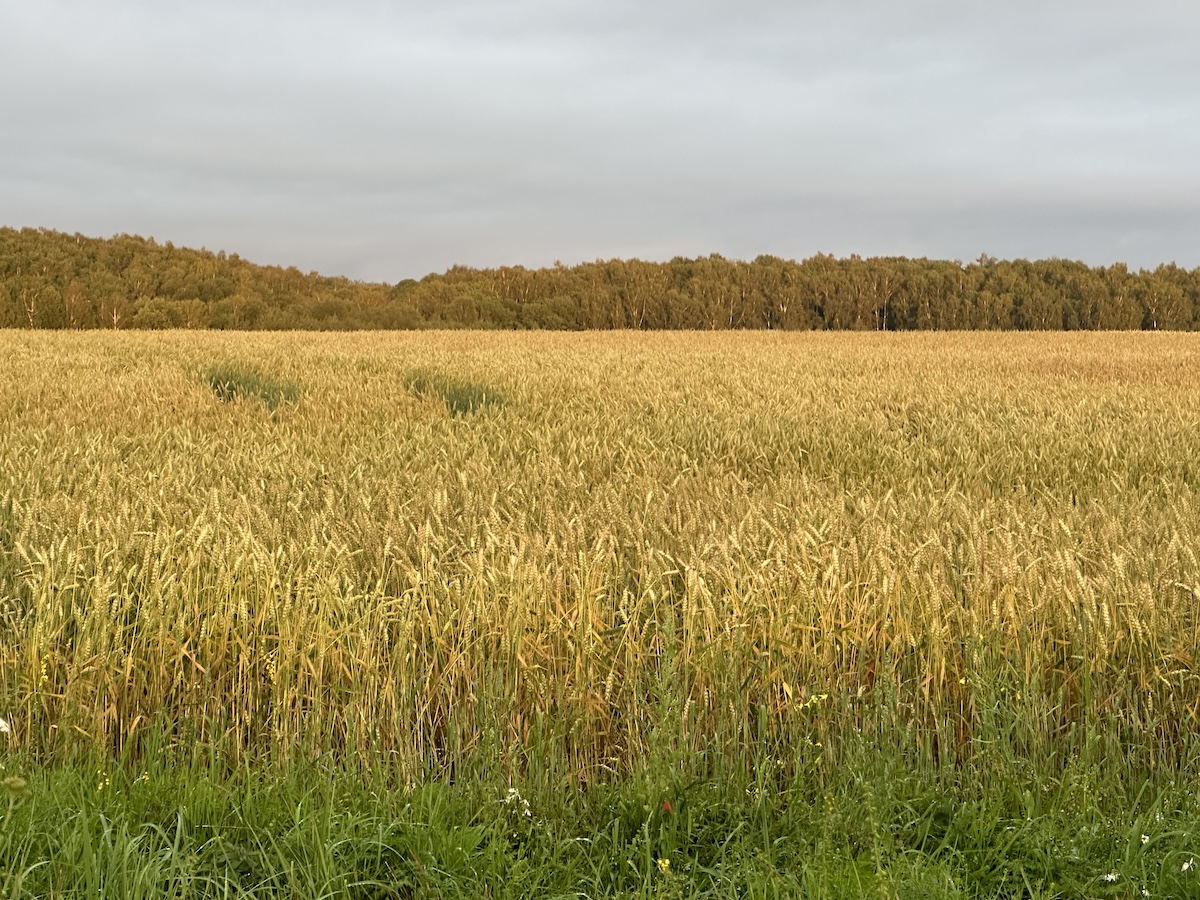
(384, 140)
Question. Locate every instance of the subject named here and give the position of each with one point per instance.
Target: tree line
(50, 279)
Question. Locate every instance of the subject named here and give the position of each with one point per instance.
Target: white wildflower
(4, 727)
(514, 797)
(1111, 877)
(1187, 865)
(1145, 839)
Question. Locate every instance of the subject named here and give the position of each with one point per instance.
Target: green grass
(316, 830)
(461, 397)
(230, 382)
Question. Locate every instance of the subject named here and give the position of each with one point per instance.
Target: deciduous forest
(50, 279)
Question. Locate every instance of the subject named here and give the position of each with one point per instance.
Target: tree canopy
(49, 279)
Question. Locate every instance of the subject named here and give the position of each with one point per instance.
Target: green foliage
(54, 280)
(230, 382)
(461, 397)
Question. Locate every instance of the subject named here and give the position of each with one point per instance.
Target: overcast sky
(387, 140)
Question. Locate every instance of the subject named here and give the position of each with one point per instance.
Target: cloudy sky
(387, 140)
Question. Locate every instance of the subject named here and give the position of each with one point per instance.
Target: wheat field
(438, 550)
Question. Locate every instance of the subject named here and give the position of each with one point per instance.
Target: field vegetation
(474, 614)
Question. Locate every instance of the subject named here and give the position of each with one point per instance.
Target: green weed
(230, 382)
(461, 397)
